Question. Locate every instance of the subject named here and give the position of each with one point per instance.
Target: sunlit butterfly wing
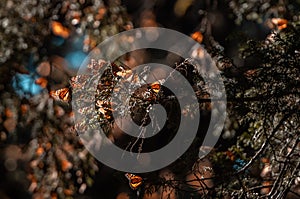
(197, 36)
(63, 94)
(134, 180)
(121, 70)
(280, 23)
(151, 93)
(155, 87)
(59, 30)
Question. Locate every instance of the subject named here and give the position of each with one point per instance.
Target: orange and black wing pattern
(120, 70)
(134, 180)
(155, 87)
(63, 94)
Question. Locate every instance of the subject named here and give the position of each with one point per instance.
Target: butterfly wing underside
(61, 94)
(134, 180)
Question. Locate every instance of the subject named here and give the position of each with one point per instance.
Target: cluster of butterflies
(65, 94)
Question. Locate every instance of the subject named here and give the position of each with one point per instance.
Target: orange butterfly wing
(61, 94)
(155, 87)
(197, 36)
(134, 180)
(59, 30)
(280, 23)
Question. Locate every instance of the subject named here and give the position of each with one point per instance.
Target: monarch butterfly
(134, 180)
(155, 87)
(63, 94)
(280, 23)
(197, 36)
(59, 30)
(106, 111)
(120, 70)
